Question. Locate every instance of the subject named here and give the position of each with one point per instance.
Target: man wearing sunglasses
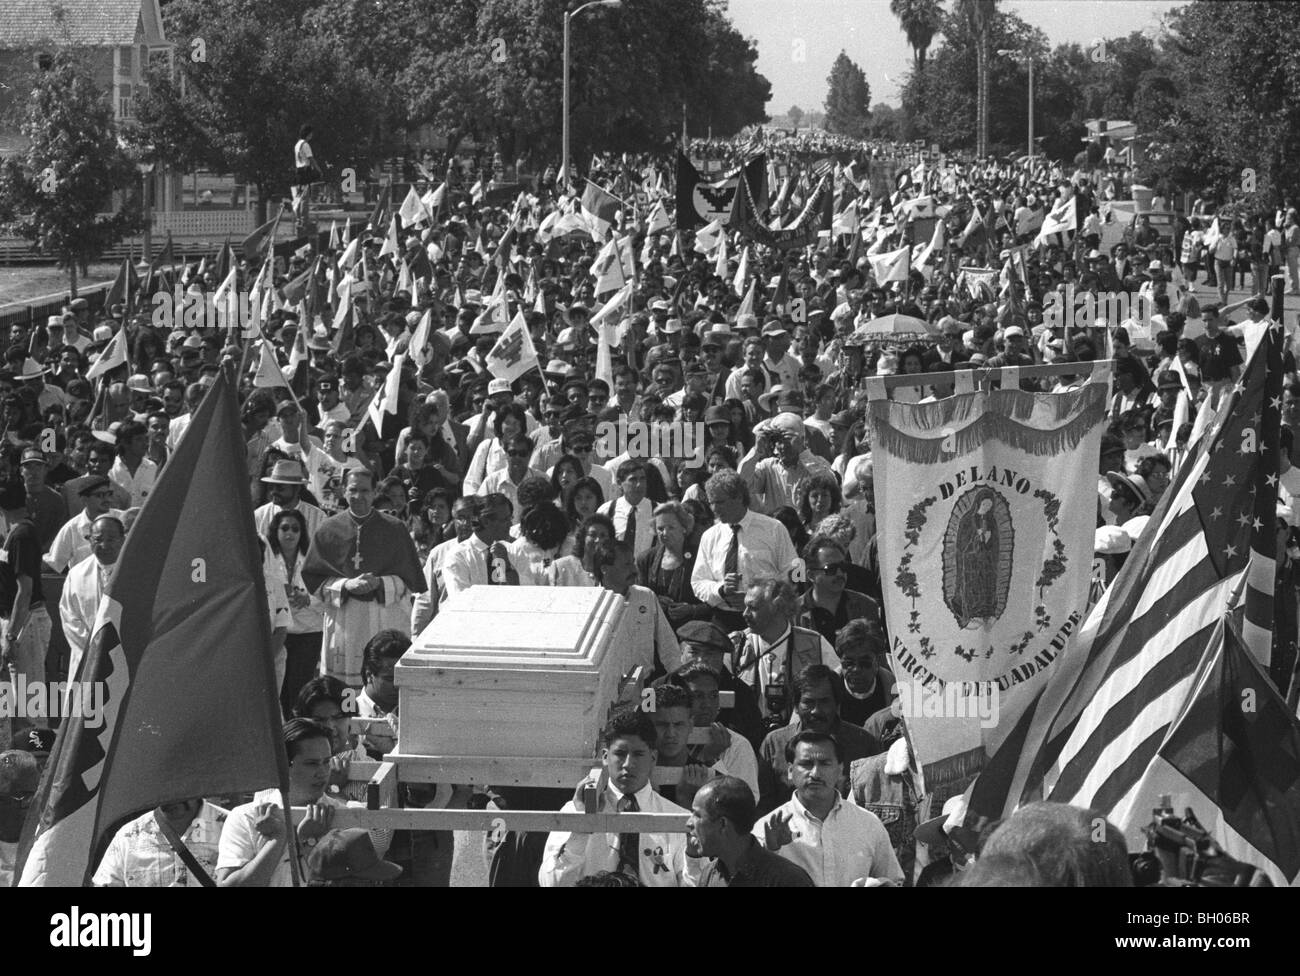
(507, 479)
(829, 604)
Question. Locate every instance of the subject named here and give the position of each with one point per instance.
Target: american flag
(1089, 736)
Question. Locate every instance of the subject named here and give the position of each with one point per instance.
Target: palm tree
(920, 20)
(979, 15)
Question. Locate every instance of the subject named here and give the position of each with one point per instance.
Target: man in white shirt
(305, 170)
(191, 397)
(132, 471)
(254, 850)
(839, 844)
(632, 512)
(506, 480)
(84, 587)
(72, 542)
(657, 860)
(285, 483)
(482, 559)
(779, 465)
(778, 362)
(141, 856)
(425, 605)
(741, 547)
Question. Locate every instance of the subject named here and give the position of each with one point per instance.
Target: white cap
(498, 386)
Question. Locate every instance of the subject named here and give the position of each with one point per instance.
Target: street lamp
(568, 16)
(1027, 57)
(146, 196)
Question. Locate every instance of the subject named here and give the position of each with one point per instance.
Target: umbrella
(894, 326)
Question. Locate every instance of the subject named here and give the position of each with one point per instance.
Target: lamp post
(564, 138)
(1029, 59)
(146, 199)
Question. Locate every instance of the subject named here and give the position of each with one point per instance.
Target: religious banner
(986, 509)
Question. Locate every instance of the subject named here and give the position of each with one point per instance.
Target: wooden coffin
(514, 672)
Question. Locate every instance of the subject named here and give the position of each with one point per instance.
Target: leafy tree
(979, 15)
(848, 99)
(1210, 125)
(55, 193)
(920, 20)
(241, 96)
(795, 114)
(886, 122)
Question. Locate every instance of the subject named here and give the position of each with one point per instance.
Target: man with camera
(778, 468)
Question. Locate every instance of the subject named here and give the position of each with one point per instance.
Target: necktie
(629, 533)
(487, 559)
(732, 563)
(629, 859)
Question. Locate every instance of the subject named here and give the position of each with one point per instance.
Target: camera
(1181, 854)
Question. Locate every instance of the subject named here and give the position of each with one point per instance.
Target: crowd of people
(808, 778)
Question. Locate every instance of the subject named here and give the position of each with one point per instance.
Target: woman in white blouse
(287, 548)
(577, 569)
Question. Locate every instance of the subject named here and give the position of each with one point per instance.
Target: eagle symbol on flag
(508, 350)
(714, 202)
(977, 551)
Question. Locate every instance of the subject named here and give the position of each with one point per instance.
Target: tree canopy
(848, 99)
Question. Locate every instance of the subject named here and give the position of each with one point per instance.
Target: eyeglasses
(836, 569)
(518, 454)
(581, 450)
(19, 799)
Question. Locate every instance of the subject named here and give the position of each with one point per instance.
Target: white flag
(707, 237)
(1063, 217)
(268, 373)
(658, 219)
(114, 355)
(514, 353)
(419, 344)
(385, 398)
(434, 198)
(891, 266)
(226, 301)
(720, 269)
(412, 210)
(390, 241)
(742, 272)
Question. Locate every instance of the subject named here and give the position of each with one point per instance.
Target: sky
(798, 40)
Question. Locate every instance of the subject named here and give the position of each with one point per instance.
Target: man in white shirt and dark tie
(657, 860)
(482, 559)
(632, 512)
(741, 547)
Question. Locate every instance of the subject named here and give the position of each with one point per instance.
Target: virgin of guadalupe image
(977, 554)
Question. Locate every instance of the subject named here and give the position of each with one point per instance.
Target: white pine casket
(514, 672)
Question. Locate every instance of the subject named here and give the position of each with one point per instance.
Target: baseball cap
(33, 740)
(33, 455)
(139, 383)
(349, 854)
(498, 386)
(773, 327)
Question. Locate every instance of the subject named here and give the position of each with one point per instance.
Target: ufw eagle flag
(182, 647)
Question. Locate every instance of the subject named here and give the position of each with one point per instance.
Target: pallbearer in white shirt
(632, 513)
(656, 860)
(840, 845)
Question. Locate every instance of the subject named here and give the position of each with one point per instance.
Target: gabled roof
(79, 23)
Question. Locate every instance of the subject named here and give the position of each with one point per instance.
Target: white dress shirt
(425, 605)
(850, 845)
(137, 485)
(71, 543)
(618, 511)
(765, 551)
(466, 565)
(663, 860)
(499, 481)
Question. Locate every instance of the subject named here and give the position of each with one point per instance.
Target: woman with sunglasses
(828, 603)
(288, 541)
